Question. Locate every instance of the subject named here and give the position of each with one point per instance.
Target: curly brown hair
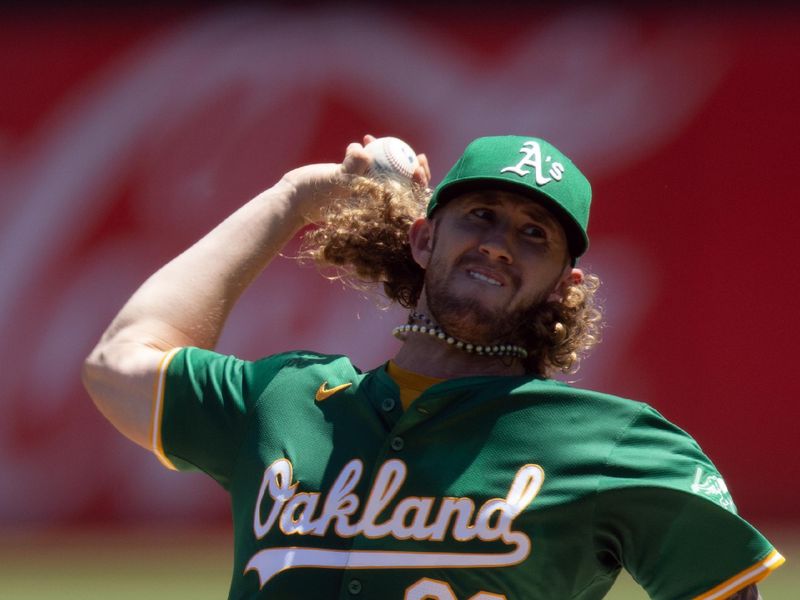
(365, 238)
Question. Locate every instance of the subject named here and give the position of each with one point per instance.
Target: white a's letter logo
(533, 158)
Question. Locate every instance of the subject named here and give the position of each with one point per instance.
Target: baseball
(392, 155)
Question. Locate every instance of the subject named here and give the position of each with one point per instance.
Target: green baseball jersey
(485, 488)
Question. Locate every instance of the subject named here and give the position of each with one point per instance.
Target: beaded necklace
(433, 330)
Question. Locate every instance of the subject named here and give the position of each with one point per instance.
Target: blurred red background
(125, 134)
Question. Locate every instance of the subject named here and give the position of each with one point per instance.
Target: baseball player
(459, 469)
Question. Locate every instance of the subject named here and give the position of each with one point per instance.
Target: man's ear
(570, 276)
(420, 237)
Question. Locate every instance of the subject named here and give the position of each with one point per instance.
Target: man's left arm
(748, 593)
(673, 520)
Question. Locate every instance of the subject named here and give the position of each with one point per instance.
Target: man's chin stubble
(469, 321)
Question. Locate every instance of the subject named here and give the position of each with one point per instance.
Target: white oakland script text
(413, 517)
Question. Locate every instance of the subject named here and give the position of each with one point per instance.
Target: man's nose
(497, 246)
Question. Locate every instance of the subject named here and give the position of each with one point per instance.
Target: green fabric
(622, 486)
(528, 166)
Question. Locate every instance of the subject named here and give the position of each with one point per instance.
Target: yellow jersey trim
(747, 577)
(158, 409)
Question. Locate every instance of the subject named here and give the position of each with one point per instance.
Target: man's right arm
(186, 302)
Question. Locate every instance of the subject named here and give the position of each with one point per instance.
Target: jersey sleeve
(665, 513)
(201, 404)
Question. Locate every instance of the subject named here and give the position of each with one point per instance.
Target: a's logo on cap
(533, 158)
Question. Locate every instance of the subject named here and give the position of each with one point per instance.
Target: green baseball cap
(529, 166)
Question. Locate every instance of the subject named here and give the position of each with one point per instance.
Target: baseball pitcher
(458, 469)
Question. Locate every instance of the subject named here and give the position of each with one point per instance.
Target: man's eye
(534, 231)
(481, 213)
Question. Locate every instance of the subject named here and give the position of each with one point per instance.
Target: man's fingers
(356, 159)
(357, 162)
(422, 174)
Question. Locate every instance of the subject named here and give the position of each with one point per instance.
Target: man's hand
(358, 161)
(316, 186)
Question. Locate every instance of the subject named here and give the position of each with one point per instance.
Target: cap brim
(577, 241)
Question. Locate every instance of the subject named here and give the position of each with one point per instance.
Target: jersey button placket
(354, 587)
(397, 443)
(388, 404)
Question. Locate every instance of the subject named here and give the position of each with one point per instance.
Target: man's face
(491, 257)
